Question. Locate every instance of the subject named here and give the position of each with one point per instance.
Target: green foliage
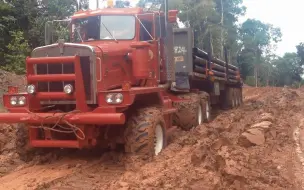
(257, 39)
(250, 80)
(289, 69)
(6, 24)
(215, 23)
(18, 50)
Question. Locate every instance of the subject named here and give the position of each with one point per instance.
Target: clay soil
(228, 153)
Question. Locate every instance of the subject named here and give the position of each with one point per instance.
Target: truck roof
(109, 11)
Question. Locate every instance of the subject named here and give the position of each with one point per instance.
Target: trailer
(202, 78)
(126, 77)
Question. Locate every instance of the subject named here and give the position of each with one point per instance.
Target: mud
(256, 146)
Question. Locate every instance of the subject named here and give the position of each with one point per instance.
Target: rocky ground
(256, 146)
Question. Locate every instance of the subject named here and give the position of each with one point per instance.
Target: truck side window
(93, 28)
(144, 35)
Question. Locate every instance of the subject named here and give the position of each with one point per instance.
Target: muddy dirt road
(256, 146)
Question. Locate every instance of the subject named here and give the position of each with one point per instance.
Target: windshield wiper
(109, 32)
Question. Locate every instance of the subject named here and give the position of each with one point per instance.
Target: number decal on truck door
(179, 59)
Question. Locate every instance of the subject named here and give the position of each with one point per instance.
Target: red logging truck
(127, 77)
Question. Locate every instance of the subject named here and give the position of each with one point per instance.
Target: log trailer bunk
(108, 88)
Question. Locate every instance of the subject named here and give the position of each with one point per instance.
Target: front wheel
(24, 150)
(145, 132)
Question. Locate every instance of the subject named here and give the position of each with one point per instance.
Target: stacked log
(218, 68)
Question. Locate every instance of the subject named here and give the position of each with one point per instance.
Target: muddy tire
(206, 106)
(236, 97)
(240, 96)
(207, 110)
(23, 149)
(187, 115)
(145, 132)
(231, 97)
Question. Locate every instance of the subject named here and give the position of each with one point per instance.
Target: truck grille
(65, 68)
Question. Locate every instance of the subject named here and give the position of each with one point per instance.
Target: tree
(256, 37)
(18, 50)
(7, 20)
(300, 52)
(289, 69)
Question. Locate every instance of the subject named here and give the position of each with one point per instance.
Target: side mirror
(172, 16)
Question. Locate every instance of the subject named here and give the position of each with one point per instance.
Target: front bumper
(87, 118)
(80, 119)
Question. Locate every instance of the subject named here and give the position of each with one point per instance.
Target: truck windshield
(104, 28)
(118, 27)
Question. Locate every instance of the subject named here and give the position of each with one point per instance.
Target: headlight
(31, 89)
(114, 98)
(68, 89)
(109, 98)
(14, 100)
(18, 101)
(22, 101)
(118, 98)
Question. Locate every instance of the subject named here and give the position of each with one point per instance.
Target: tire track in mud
(298, 136)
(68, 173)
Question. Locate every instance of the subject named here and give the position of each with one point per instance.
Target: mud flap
(182, 81)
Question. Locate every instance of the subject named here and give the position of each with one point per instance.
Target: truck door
(147, 34)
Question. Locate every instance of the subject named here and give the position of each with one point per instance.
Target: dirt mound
(221, 156)
(10, 79)
(8, 158)
(250, 147)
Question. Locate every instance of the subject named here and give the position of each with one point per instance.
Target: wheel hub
(159, 139)
(207, 111)
(200, 113)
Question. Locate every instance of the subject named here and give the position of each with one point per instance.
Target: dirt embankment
(251, 147)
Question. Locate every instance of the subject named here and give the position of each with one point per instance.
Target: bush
(18, 50)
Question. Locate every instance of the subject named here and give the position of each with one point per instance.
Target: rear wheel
(207, 111)
(236, 97)
(232, 97)
(145, 132)
(240, 96)
(205, 103)
(189, 112)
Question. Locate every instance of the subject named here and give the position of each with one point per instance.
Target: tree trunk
(256, 75)
(222, 31)
(268, 76)
(211, 43)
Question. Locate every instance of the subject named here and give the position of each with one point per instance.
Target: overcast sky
(284, 14)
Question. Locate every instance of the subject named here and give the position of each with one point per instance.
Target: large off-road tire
(23, 149)
(236, 97)
(206, 106)
(189, 113)
(145, 132)
(232, 97)
(240, 96)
